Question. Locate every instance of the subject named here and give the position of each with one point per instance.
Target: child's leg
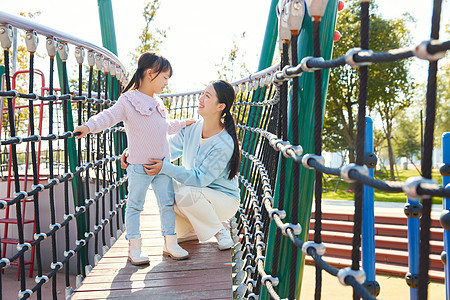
(138, 182)
(163, 188)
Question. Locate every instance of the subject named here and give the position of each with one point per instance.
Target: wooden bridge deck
(205, 275)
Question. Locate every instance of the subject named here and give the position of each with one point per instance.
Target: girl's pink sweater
(146, 122)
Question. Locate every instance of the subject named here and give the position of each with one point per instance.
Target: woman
(207, 192)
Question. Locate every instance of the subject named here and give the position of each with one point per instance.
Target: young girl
(147, 125)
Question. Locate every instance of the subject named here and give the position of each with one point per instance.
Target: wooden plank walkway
(205, 275)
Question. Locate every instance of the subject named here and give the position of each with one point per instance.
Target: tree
(390, 86)
(150, 39)
(443, 102)
(233, 65)
(23, 57)
(443, 97)
(407, 137)
(442, 122)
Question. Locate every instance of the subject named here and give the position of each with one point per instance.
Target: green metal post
(270, 38)
(105, 13)
(306, 140)
(265, 61)
(106, 16)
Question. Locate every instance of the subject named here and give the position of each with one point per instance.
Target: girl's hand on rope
(190, 121)
(83, 129)
(123, 160)
(154, 168)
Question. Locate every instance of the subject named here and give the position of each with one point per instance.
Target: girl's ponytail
(131, 83)
(148, 60)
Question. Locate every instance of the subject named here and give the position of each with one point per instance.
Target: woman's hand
(190, 121)
(123, 160)
(154, 168)
(83, 129)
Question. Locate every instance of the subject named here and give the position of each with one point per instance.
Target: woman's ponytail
(226, 95)
(235, 161)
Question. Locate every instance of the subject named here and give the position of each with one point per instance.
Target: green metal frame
(306, 140)
(108, 31)
(265, 61)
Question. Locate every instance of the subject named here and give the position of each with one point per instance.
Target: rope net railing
(268, 216)
(261, 113)
(76, 188)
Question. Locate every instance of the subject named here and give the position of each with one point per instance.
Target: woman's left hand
(154, 168)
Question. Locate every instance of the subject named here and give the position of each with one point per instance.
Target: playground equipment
(279, 116)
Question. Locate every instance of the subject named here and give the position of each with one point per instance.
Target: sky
(199, 32)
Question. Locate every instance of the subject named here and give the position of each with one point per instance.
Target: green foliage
(390, 87)
(407, 137)
(442, 121)
(443, 100)
(150, 38)
(74, 83)
(21, 84)
(232, 66)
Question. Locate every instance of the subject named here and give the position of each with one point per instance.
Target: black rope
(111, 179)
(389, 186)
(317, 151)
(79, 161)
(282, 132)
(35, 171)
(88, 159)
(16, 175)
(257, 206)
(360, 138)
(296, 167)
(356, 57)
(425, 221)
(103, 209)
(14, 139)
(51, 174)
(75, 251)
(97, 170)
(251, 139)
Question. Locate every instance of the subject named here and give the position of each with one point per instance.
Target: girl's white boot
(134, 253)
(172, 249)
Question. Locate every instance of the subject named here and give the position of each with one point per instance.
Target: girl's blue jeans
(138, 183)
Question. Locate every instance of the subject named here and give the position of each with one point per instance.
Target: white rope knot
(350, 57)
(421, 51)
(359, 275)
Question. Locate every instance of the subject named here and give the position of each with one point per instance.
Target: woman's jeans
(138, 183)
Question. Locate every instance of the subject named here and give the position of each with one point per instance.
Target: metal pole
(368, 222)
(265, 61)
(413, 250)
(270, 38)
(105, 13)
(14, 53)
(421, 133)
(446, 205)
(306, 139)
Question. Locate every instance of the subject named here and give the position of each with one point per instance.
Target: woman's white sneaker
(224, 241)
